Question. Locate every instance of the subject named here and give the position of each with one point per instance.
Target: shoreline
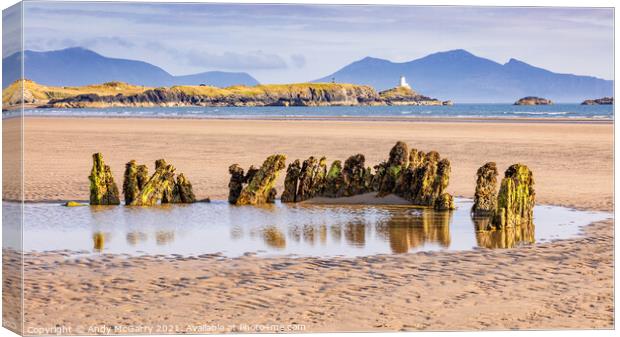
(437, 119)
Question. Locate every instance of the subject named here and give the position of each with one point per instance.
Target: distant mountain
(463, 77)
(79, 66)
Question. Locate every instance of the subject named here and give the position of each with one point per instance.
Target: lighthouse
(403, 83)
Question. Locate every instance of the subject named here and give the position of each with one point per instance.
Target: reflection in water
(164, 237)
(98, 241)
(488, 237)
(336, 233)
(133, 238)
(274, 237)
(355, 234)
(413, 230)
(506, 238)
(291, 229)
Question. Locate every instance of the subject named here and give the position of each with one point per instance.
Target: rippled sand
(563, 284)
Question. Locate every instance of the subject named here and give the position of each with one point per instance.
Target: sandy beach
(562, 284)
(572, 163)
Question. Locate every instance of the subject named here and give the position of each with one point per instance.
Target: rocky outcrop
(103, 189)
(407, 96)
(257, 186)
(516, 198)
(411, 174)
(604, 100)
(118, 94)
(485, 197)
(266, 95)
(532, 100)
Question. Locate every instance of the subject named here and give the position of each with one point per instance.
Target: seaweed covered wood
(161, 187)
(182, 191)
(485, 197)
(516, 198)
(235, 185)
(334, 181)
(356, 178)
(293, 173)
(391, 170)
(135, 178)
(260, 187)
(158, 187)
(103, 189)
(419, 177)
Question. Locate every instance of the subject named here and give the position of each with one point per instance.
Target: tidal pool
(279, 229)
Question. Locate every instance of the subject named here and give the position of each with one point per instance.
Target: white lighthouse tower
(403, 83)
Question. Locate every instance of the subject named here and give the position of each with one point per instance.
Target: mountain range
(79, 66)
(466, 78)
(457, 75)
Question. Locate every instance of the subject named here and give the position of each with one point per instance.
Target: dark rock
(407, 96)
(532, 100)
(103, 189)
(604, 100)
(485, 198)
(260, 189)
(516, 198)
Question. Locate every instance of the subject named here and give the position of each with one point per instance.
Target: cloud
(298, 60)
(226, 60)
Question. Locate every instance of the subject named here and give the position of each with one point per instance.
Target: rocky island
(532, 100)
(597, 101)
(119, 94)
(406, 96)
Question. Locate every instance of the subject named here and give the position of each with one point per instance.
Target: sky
(296, 43)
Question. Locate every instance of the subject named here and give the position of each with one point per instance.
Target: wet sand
(562, 284)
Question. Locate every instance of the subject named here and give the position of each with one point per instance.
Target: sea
(565, 111)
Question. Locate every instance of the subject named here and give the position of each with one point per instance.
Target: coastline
(413, 119)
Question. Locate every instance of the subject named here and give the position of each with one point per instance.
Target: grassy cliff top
(397, 92)
(42, 93)
(265, 89)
